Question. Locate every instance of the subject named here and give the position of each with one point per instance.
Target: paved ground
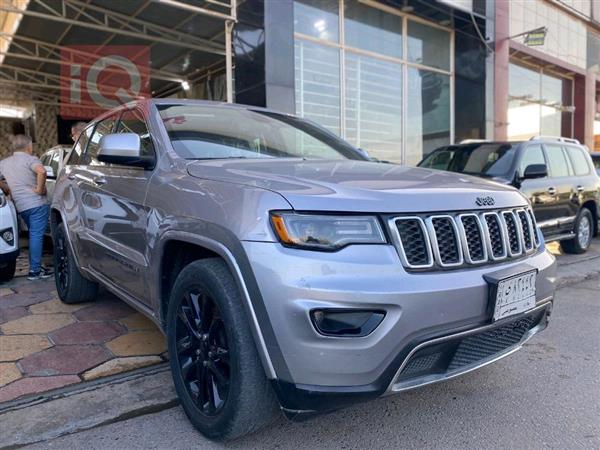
(45, 344)
(545, 396)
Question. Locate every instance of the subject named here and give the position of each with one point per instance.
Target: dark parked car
(556, 174)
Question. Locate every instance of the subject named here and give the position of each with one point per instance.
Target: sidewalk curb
(86, 406)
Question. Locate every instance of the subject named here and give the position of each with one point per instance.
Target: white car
(9, 242)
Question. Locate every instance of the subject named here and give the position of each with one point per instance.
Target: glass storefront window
(372, 30)
(373, 110)
(537, 104)
(428, 46)
(317, 81)
(352, 79)
(428, 113)
(317, 18)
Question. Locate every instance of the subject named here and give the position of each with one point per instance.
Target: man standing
(76, 130)
(26, 179)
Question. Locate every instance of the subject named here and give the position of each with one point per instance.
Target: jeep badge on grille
(485, 201)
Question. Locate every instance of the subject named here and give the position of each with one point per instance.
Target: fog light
(8, 236)
(346, 322)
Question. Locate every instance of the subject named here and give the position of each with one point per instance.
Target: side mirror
(365, 153)
(123, 149)
(50, 175)
(535, 171)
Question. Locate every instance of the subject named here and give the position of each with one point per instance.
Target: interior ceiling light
(406, 7)
(185, 85)
(14, 112)
(320, 25)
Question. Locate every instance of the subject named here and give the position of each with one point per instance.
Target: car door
(538, 190)
(585, 182)
(561, 175)
(85, 182)
(119, 229)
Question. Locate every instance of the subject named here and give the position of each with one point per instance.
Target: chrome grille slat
(462, 239)
(511, 229)
(445, 242)
(534, 226)
(496, 236)
(411, 235)
(527, 232)
(473, 238)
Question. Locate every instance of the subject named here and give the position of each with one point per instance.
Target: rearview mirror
(535, 171)
(123, 149)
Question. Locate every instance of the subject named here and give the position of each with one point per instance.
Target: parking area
(46, 344)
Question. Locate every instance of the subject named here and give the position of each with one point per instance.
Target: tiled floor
(46, 344)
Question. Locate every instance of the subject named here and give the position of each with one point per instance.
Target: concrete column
(502, 45)
(590, 108)
(263, 43)
(585, 108)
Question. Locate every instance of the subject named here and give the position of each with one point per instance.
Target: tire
(584, 230)
(7, 270)
(71, 286)
(217, 350)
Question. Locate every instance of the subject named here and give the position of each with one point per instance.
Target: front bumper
(325, 372)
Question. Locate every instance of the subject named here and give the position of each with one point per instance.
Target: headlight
(324, 232)
(2, 199)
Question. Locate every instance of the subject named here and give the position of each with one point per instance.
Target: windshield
(485, 159)
(220, 132)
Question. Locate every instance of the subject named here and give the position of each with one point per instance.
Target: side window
(76, 155)
(104, 127)
(132, 121)
(532, 154)
(44, 159)
(55, 162)
(579, 161)
(558, 165)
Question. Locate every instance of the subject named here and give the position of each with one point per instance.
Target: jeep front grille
(462, 239)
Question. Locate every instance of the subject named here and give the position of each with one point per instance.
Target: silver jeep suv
(286, 270)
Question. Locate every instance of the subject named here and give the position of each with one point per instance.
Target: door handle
(580, 188)
(552, 191)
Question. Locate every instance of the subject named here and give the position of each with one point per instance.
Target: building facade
(550, 89)
(395, 78)
(402, 77)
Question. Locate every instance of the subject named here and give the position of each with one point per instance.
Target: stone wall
(5, 134)
(46, 133)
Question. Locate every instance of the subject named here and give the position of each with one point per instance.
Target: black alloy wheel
(215, 365)
(72, 287)
(203, 352)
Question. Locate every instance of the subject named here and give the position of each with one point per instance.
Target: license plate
(515, 295)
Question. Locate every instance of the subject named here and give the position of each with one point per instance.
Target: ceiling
(185, 39)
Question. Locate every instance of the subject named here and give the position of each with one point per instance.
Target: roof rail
(555, 139)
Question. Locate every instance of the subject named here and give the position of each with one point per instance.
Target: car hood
(359, 186)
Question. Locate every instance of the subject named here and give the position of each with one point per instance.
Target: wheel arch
(181, 248)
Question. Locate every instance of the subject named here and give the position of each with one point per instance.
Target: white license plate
(515, 295)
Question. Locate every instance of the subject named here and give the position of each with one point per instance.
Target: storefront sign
(536, 37)
(97, 78)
